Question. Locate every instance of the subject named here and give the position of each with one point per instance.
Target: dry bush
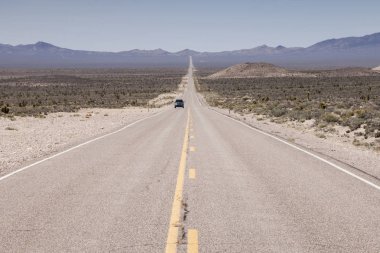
(33, 92)
(352, 101)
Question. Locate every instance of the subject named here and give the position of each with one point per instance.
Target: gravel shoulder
(26, 139)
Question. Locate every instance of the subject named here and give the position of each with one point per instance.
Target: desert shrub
(23, 103)
(43, 91)
(322, 105)
(362, 114)
(5, 109)
(372, 126)
(320, 135)
(355, 123)
(325, 99)
(278, 112)
(298, 115)
(331, 118)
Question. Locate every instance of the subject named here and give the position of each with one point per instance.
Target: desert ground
(51, 110)
(152, 186)
(36, 92)
(332, 112)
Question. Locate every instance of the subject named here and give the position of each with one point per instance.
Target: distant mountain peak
(187, 52)
(160, 51)
(42, 45)
(262, 46)
(154, 52)
(348, 42)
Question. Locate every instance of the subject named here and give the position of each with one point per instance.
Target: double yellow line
(175, 218)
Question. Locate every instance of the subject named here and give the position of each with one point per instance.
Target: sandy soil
(27, 138)
(337, 144)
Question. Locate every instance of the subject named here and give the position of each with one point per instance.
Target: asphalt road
(189, 180)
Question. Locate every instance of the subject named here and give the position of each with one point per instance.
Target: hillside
(255, 70)
(346, 72)
(372, 40)
(252, 70)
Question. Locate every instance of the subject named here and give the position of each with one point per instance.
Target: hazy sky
(205, 25)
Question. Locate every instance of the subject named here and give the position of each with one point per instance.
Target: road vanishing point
(189, 180)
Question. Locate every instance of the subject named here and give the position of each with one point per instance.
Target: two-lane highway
(187, 181)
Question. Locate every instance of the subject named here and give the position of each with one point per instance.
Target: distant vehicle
(179, 103)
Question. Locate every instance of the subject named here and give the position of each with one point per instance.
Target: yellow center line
(175, 222)
(192, 241)
(192, 174)
(192, 149)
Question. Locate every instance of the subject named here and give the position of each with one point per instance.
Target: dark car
(179, 103)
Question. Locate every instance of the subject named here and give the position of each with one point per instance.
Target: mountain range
(333, 53)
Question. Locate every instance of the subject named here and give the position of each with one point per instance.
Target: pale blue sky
(214, 25)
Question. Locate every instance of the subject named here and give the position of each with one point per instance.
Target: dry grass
(352, 101)
(38, 92)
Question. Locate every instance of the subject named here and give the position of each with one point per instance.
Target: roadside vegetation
(352, 102)
(38, 92)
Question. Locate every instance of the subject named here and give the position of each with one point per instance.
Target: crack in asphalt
(185, 210)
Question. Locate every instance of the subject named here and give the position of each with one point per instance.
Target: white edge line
(199, 101)
(77, 146)
(303, 150)
(196, 93)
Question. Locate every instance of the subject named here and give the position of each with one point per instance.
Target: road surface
(189, 180)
